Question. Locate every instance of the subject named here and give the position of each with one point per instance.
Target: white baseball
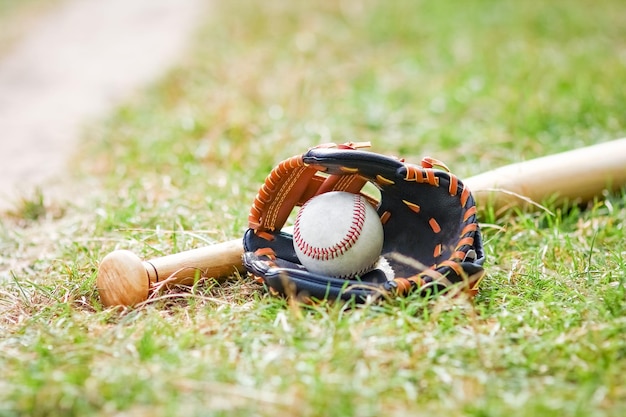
(338, 234)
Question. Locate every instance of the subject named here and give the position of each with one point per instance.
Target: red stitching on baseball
(331, 252)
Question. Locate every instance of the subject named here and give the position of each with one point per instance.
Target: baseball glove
(432, 241)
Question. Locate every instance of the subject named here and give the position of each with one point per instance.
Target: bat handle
(124, 279)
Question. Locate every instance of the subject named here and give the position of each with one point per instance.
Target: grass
(476, 84)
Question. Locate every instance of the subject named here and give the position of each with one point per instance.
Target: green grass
(477, 84)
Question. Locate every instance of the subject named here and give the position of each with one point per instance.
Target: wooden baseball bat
(576, 176)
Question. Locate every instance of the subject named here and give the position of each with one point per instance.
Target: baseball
(338, 234)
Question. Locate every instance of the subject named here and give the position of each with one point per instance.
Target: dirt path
(71, 68)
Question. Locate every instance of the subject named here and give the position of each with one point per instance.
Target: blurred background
(64, 63)
(498, 77)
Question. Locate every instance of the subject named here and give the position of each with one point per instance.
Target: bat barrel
(575, 176)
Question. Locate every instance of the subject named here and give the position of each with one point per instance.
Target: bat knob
(122, 279)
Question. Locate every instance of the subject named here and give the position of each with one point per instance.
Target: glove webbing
(291, 184)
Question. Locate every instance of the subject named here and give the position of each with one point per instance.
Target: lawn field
(477, 84)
